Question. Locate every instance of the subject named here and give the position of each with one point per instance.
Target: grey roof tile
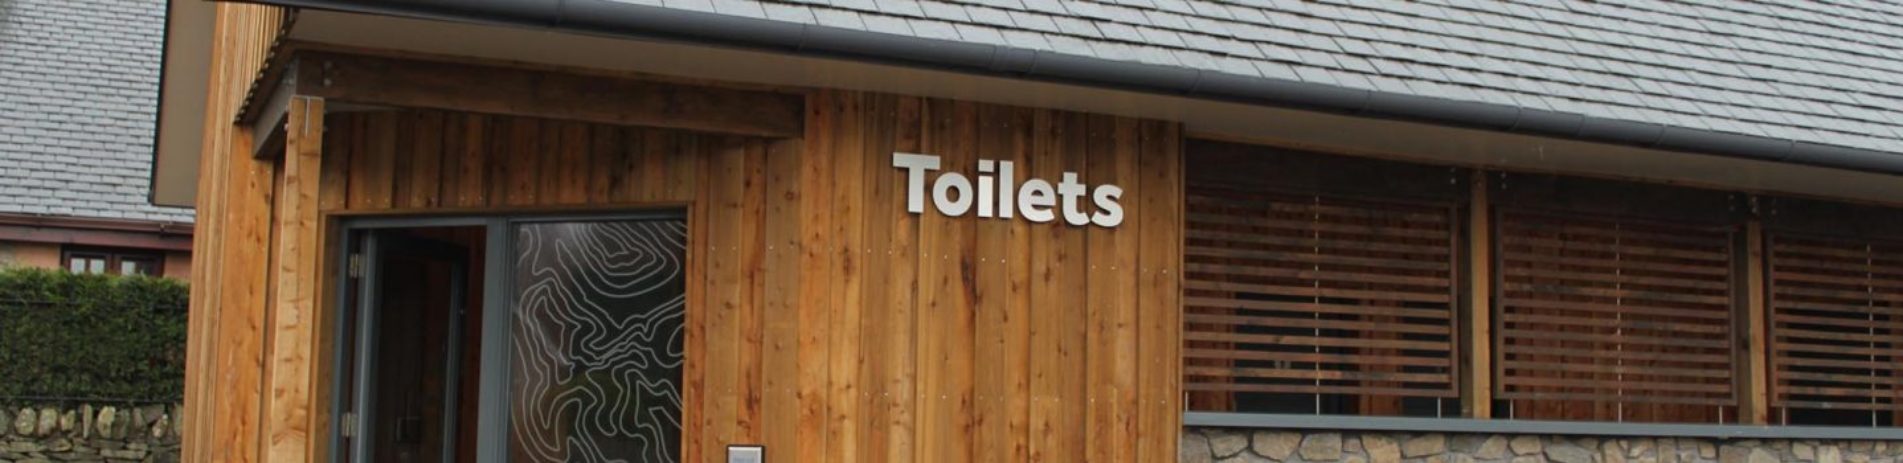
(900, 7)
(1034, 21)
(934, 29)
(839, 18)
(980, 34)
(945, 11)
(887, 24)
(992, 16)
(78, 89)
(790, 13)
(1821, 73)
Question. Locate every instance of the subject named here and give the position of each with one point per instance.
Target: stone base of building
(89, 433)
(1209, 445)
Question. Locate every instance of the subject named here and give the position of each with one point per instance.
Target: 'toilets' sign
(999, 196)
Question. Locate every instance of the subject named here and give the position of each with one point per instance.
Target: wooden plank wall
(829, 324)
(225, 392)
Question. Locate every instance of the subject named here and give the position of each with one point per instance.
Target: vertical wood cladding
(827, 322)
(229, 383)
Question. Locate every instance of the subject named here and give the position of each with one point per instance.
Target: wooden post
(291, 354)
(1753, 391)
(1476, 397)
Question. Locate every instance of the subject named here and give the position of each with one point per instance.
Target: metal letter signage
(996, 194)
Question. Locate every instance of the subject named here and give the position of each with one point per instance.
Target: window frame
(114, 258)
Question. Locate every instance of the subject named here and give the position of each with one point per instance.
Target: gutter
(85, 223)
(618, 19)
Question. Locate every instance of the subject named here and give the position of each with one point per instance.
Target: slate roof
(1827, 72)
(78, 93)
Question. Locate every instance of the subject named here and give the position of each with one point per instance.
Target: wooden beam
(267, 127)
(516, 91)
(1753, 382)
(291, 333)
(1476, 398)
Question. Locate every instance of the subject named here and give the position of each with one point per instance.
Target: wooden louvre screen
(1289, 294)
(1836, 323)
(1611, 319)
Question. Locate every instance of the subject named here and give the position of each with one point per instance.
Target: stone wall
(88, 433)
(1209, 445)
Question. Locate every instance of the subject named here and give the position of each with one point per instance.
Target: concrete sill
(1583, 428)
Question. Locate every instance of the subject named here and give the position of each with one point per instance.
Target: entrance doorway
(522, 339)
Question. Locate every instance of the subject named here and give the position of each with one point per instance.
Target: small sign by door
(746, 454)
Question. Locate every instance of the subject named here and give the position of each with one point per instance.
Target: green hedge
(91, 337)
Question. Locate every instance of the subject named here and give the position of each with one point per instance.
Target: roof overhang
(96, 232)
(601, 35)
(184, 81)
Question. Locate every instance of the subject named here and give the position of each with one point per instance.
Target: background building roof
(1821, 72)
(78, 92)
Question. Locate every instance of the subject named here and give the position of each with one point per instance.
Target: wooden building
(593, 230)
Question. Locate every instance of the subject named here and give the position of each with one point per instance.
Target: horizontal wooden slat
(1296, 340)
(1628, 342)
(1785, 317)
(1574, 290)
(1876, 298)
(1836, 250)
(1715, 360)
(1622, 385)
(1593, 307)
(1355, 359)
(1515, 257)
(1625, 324)
(1247, 200)
(1310, 274)
(1194, 302)
(1878, 337)
(1193, 385)
(1299, 257)
(1788, 303)
(1848, 392)
(1599, 276)
(1322, 243)
(1582, 367)
(1614, 397)
(1524, 224)
(1864, 379)
(1286, 322)
(1318, 374)
(1780, 344)
(1201, 220)
(1829, 273)
(1787, 363)
(1838, 405)
(1625, 251)
(1309, 291)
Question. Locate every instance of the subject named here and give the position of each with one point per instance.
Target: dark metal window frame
(492, 422)
(114, 257)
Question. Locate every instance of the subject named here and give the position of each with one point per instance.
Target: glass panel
(95, 266)
(136, 266)
(597, 341)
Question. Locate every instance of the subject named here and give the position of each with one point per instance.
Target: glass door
(405, 386)
(596, 340)
(513, 339)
